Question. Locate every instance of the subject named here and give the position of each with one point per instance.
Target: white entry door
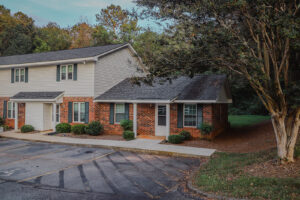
(161, 120)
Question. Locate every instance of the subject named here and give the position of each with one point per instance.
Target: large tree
(258, 39)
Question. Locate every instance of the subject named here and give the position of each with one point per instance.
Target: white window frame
(15, 76)
(79, 113)
(57, 114)
(12, 110)
(115, 114)
(184, 115)
(67, 72)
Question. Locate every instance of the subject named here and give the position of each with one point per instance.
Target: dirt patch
(99, 137)
(273, 169)
(253, 138)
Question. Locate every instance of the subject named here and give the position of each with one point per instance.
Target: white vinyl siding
(190, 115)
(79, 112)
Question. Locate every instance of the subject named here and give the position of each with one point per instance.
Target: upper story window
(66, 72)
(20, 75)
(119, 112)
(10, 110)
(190, 115)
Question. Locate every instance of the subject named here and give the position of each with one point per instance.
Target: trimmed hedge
(128, 135)
(78, 129)
(127, 125)
(63, 128)
(94, 128)
(206, 129)
(175, 139)
(27, 129)
(186, 135)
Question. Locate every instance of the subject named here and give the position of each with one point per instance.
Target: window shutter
(180, 115)
(75, 72)
(70, 112)
(199, 115)
(127, 111)
(86, 112)
(26, 74)
(4, 109)
(111, 113)
(58, 73)
(12, 75)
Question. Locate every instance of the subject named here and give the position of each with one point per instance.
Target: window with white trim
(190, 115)
(20, 75)
(79, 112)
(57, 115)
(66, 72)
(119, 112)
(10, 110)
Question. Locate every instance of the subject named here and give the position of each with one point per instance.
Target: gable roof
(59, 55)
(205, 88)
(36, 95)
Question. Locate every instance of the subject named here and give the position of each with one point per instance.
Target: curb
(154, 152)
(191, 187)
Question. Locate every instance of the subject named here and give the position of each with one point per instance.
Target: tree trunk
(286, 137)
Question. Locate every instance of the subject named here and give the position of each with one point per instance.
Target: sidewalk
(144, 145)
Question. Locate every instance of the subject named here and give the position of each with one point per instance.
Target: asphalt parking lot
(34, 170)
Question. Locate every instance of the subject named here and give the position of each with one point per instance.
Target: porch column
(135, 119)
(16, 115)
(53, 116)
(168, 120)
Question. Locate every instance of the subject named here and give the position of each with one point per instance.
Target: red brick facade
(146, 119)
(21, 115)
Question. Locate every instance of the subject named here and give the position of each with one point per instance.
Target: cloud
(103, 3)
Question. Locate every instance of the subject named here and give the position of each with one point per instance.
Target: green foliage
(2, 121)
(94, 128)
(127, 125)
(5, 127)
(63, 128)
(246, 120)
(176, 139)
(128, 135)
(78, 129)
(27, 128)
(186, 135)
(206, 128)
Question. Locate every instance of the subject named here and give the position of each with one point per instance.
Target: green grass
(224, 175)
(245, 120)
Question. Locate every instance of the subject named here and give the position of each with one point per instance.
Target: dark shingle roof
(36, 95)
(57, 55)
(201, 87)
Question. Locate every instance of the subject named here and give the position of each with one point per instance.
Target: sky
(69, 12)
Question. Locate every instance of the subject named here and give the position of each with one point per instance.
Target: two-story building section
(43, 89)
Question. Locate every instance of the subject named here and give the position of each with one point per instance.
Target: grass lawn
(245, 120)
(224, 175)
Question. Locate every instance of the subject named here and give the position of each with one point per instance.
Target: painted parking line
(70, 166)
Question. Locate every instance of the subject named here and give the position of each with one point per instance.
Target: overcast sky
(68, 12)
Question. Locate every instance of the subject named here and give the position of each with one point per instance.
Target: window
(17, 75)
(11, 110)
(79, 112)
(57, 113)
(161, 115)
(119, 112)
(66, 72)
(20, 75)
(190, 115)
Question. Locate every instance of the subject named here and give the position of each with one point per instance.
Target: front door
(161, 120)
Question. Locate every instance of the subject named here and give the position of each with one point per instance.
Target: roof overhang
(162, 101)
(57, 99)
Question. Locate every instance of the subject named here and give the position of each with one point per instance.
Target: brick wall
(64, 107)
(21, 115)
(146, 119)
(102, 114)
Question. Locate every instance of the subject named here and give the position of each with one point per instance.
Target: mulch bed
(253, 138)
(99, 137)
(272, 168)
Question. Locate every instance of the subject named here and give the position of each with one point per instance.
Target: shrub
(5, 127)
(127, 125)
(186, 135)
(2, 121)
(27, 128)
(128, 135)
(175, 139)
(94, 128)
(78, 129)
(206, 129)
(63, 128)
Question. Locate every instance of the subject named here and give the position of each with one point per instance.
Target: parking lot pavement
(34, 170)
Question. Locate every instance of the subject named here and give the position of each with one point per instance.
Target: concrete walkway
(144, 145)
